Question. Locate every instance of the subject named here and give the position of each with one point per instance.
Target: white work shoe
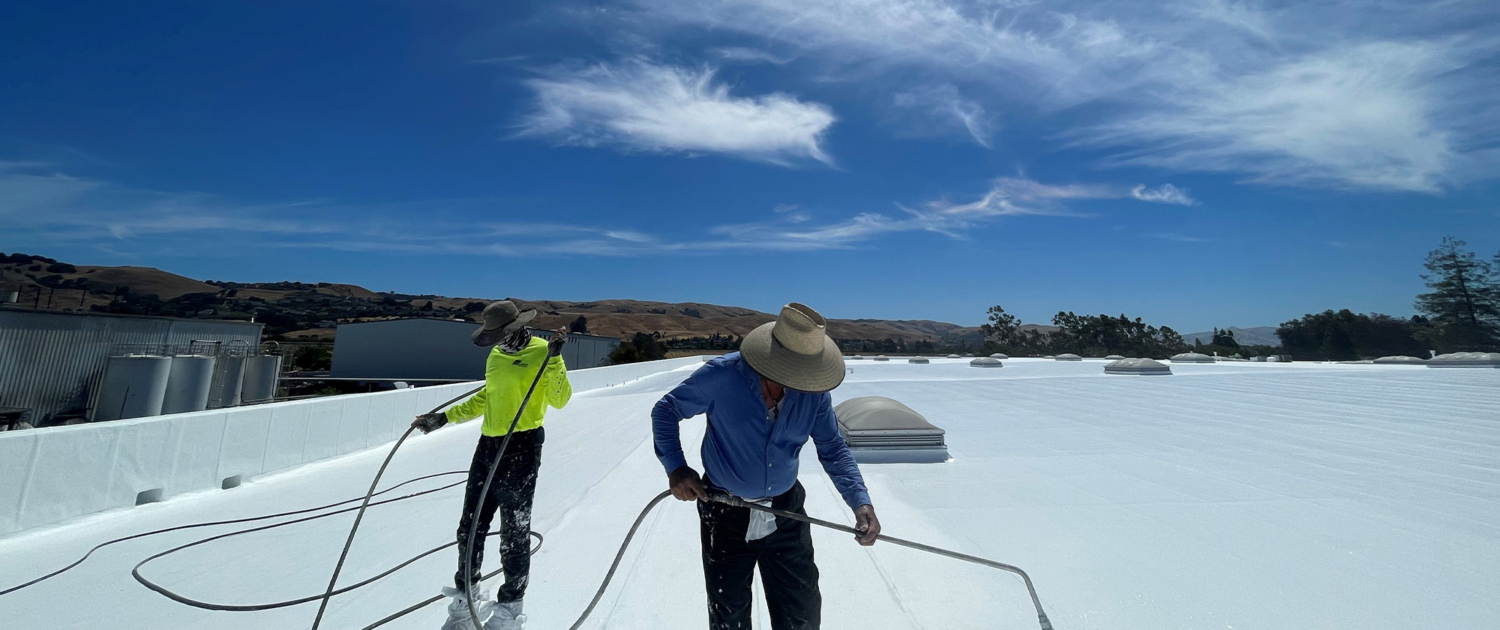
(507, 617)
(458, 609)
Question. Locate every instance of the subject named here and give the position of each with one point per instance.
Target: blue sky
(1197, 163)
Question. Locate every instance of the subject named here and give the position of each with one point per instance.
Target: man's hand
(865, 521)
(429, 422)
(555, 344)
(686, 485)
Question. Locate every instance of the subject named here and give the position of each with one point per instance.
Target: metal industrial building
(52, 363)
(437, 349)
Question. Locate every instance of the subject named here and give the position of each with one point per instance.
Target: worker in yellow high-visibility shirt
(508, 374)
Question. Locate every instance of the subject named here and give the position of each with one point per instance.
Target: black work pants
(785, 558)
(511, 493)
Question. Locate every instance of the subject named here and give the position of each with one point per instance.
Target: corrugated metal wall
(52, 362)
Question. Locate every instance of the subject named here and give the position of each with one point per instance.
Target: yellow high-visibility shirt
(506, 379)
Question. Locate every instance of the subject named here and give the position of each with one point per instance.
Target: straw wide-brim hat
(500, 319)
(795, 351)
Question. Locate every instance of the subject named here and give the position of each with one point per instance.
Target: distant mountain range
(303, 311)
(1257, 336)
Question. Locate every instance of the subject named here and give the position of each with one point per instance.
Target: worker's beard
(516, 342)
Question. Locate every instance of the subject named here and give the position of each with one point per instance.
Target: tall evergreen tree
(1463, 305)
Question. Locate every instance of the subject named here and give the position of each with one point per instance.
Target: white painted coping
(53, 474)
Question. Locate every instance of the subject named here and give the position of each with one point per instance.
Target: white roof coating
(1245, 495)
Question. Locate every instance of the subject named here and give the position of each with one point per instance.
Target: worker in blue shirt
(763, 403)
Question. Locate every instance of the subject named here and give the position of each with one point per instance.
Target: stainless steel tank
(188, 387)
(135, 385)
(262, 375)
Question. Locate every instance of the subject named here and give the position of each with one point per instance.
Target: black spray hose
(729, 499)
(468, 551)
(328, 593)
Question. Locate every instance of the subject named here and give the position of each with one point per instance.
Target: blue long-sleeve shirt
(747, 450)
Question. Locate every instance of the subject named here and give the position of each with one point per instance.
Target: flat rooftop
(1224, 496)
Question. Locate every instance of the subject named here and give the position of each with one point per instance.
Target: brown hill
(310, 311)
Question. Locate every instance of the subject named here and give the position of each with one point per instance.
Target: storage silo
(1140, 367)
(262, 375)
(1192, 357)
(1067, 357)
(229, 378)
(188, 386)
(134, 387)
(880, 430)
(986, 362)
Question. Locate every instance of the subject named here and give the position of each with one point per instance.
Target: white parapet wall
(53, 474)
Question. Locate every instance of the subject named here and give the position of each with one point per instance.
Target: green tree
(1463, 305)
(580, 325)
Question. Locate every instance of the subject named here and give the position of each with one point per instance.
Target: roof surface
(1240, 495)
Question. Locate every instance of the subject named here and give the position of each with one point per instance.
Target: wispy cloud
(643, 106)
(1395, 95)
(749, 55)
(57, 207)
(950, 109)
(1175, 237)
(1165, 193)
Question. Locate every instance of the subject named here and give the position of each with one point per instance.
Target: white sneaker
(458, 609)
(507, 617)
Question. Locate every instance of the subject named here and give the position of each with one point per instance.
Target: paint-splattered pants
(785, 558)
(511, 493)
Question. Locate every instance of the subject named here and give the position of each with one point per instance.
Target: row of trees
(1088, 335)
(1460, 312)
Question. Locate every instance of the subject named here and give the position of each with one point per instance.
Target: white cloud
(749, 55)
(1389, 96)
(945, 104)
(56, 207)
(644, 106)
(1165, 193)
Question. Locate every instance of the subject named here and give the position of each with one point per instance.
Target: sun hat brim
(814, 373)
(486, 336)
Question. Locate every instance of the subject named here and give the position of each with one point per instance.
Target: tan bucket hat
(795, 351)
(500, 320)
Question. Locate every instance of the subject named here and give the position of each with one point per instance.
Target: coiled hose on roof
(367, 501)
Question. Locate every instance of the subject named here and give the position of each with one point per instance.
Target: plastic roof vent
(1466, 359)
(1140, 367)
(1400, 360)
(881, 430)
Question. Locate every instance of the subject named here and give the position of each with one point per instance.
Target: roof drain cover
(880, 430)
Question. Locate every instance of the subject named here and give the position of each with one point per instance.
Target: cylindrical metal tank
(134, 387)
(262, 374)
(228, 381)
(187, 389)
